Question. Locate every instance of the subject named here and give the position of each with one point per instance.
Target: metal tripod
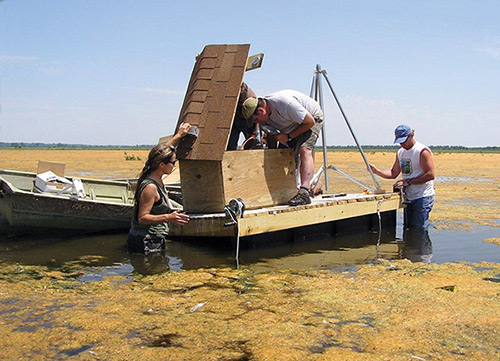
(317, 91)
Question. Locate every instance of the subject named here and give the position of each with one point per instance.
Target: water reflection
(155, 262)
(102, 255)
(109, 250)
(417, 245)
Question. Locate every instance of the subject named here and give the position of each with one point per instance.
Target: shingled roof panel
(211, 100)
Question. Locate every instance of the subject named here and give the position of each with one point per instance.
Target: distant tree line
(392, 147)
(22, 145)
(435, 148)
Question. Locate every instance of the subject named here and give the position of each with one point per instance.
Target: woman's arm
(149, 196)
(181, 132)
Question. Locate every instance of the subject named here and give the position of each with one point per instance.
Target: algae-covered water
(432, 296)
(343, 299)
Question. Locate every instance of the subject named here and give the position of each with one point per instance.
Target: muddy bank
(388, 311)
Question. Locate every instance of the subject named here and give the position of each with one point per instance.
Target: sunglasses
(173, 162)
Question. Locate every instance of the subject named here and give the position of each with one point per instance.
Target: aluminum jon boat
(107, 205)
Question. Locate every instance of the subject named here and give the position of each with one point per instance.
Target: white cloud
(491, 48)
(30, 61)
(10, 59)
(48, 68)
(492, 51)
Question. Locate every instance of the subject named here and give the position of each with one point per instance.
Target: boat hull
(24, 208)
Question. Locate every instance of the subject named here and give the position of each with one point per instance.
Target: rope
(235, 210)
(237, 245)
(379, 227)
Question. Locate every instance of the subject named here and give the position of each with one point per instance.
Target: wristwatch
(289, 138)
(408, 181)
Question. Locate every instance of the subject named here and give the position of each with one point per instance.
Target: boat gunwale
(87, 180)
(15, 190)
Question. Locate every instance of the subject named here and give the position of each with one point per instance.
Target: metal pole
(313, 85)
(323, 130)
(350, 178)
(377, 185)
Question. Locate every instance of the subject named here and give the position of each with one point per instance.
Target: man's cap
(402, 133)
(248, 108)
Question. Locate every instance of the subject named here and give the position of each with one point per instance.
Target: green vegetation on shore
(341, 148)
(435, 148)
(22, 145)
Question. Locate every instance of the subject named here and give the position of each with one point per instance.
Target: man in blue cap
(414, 161)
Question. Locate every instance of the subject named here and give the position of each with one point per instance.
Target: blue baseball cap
(402, 133)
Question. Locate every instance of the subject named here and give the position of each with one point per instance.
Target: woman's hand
(177, 217)
(184, 129)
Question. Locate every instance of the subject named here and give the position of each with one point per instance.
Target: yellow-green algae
(398, 311)
(493, 240)
(388, 311)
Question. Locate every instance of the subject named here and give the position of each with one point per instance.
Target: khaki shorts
(309, 138)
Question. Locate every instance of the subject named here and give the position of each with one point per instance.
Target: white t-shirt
(289, 108)
(409, 160)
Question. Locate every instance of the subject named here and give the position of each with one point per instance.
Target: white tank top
(409, 160)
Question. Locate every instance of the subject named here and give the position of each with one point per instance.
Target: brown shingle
(205, 73)
(226, 67)
(211, 99)
(199, 95)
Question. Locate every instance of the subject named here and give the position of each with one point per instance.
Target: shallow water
(443, 179)
(106, 254)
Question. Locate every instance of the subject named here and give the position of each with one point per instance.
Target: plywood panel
(201, 183)
(261, 177)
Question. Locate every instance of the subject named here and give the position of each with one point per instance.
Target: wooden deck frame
(278, 218)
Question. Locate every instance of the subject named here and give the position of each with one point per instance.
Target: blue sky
(115, 72)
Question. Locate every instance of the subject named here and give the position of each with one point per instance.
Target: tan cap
(248, 108)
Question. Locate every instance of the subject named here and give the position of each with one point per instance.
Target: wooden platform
(323, 209)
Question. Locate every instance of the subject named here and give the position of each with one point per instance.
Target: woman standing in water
(152, 208)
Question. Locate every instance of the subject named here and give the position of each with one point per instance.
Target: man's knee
(305, 152)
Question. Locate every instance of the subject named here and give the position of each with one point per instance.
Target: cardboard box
(52, 183)
(57, 168)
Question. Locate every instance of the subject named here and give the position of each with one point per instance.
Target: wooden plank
(270, 219)
(203, 227)
(260, 177)
(201, 183)
(299, 216)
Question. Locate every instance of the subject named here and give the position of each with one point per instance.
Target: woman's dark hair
(160, 153)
